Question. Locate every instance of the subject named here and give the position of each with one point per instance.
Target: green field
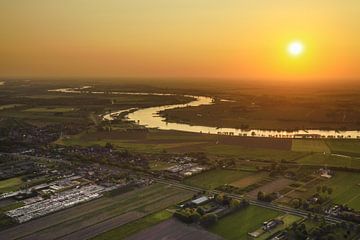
(217, 177)
(130, 145)
(137, 203)
(50, 110)
(9, 106)
(134, 227)
(310, 145)
(345, 147)
(288, 221)
(321, 159)
(11, 184)
(236, 226)
(346, 189)
(253, 153)
(345, 185)
(338, 233)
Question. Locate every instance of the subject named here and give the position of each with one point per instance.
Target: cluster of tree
(326, 231)
(350, 216)
(315, 202)
(225, 200)
(198, 214)
(230, 189)
(324, 189)
(323, 231)
(261, 196)
(225, 163)
(187, 215)
(297, 203)
(277, 169)
(200, 157)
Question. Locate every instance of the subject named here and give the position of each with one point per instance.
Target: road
(289, 210)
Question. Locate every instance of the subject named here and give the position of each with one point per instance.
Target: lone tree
(260, 195)
(234, 203)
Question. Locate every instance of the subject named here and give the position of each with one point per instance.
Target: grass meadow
(237, 225)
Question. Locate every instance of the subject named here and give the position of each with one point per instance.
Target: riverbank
(151, 118)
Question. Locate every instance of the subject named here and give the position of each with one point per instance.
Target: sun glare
(295, 48)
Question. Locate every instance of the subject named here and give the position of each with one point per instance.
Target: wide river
(150, 118)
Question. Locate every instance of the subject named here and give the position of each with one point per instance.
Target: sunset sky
(180, 38)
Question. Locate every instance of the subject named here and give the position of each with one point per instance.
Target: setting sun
(295, 48)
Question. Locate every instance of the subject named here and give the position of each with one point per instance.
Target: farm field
(288, 221)
(249, 180)
(217, 177)
(90, 231)
(98, 216)
(304, 191)
(310, 145)
(9, 106)
(135, 226)
(156, 141)
(321, 159)
(273, 186)
(253, 153)
(174, 229)
(11, 184)
(346, 189)
(131, 145)
(50, 109)
(236, 226)
(345, 185)
(345, 147)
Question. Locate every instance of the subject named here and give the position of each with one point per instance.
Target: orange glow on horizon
(180, 38)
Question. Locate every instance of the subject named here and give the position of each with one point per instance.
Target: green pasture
(310, 145)
(9, 106)
(237, 225)
(288, 221)
(217, 177)
(134, 227)
(50, 109)
(253, 153)
(321, 159)
(346, 189)
(11, 184)
(345, 147)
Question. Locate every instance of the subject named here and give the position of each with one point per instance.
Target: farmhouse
(201, 200)
(325, 173)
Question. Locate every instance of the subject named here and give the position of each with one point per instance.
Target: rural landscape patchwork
(177, 120)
